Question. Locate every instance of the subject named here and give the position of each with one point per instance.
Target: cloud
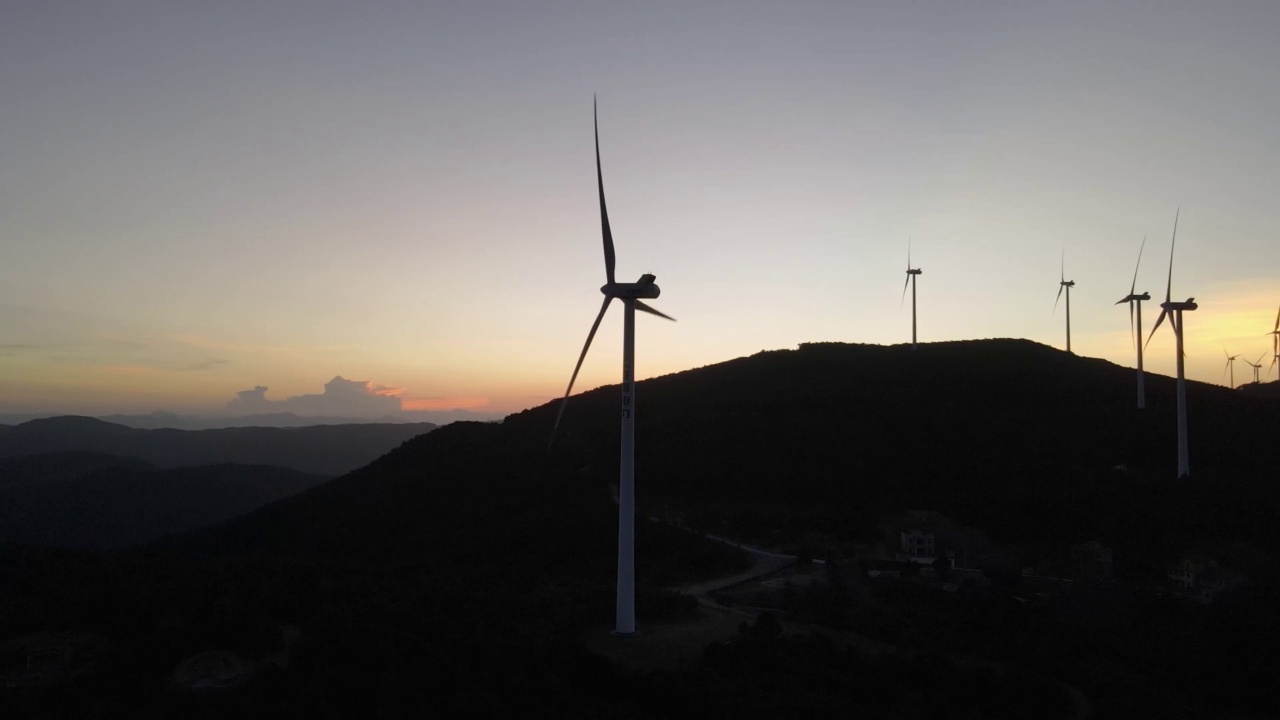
(341, 398)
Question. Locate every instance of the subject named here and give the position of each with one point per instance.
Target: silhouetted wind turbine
(630, 294)
(1257, 366)
(1136, 333)
(1275, 344)
(1063, 282)
(1174, 311)
(1231, 364)
(911, 280)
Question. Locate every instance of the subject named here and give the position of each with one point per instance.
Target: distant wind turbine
(1275, 345)
(1174, 312)
(1063, 282)
(1231, 364)
(630, 294)
(1136, 332)
(911, 280)
(1257, 366)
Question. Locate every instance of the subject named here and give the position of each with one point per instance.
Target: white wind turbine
(630, 294)
(911, 280)
(1174, 311)
(1257, 366)
(1064, 283)
(1136, 332)
(1231, 365)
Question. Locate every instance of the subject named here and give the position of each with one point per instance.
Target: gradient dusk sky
(197, 198)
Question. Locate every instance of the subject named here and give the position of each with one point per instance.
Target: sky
(199, 200)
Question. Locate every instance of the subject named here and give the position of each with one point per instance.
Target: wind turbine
(1275, 344)
(1257, 366)
(630, 294)
(1174, 312)
(1136, 333)
(911, 280)
(1063, 282)
(1231, 363)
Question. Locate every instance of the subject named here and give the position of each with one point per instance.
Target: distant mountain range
(93, 501)
(167, 420)
(321, 449)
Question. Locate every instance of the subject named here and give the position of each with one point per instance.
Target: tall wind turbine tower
(1231, 365)
(1174, 312)
(911, 280)
(1135, 301)
(1064, 283)
(631, 295)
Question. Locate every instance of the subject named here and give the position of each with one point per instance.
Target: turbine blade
(1168, 288)
(1055, 302)
(1155, 327)
(1132, 335)
(1134, 286)
(904, 290)
(609, 259)
(1277, 328)
(645, 308)
(1062, 266)
(909, 260)
(591, 335)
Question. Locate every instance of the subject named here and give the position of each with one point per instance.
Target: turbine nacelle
(1134, 298)
(916, 271)
(1067, 283)
(1189, 304)
(644, 289)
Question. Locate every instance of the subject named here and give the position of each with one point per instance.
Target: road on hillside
(764, 562)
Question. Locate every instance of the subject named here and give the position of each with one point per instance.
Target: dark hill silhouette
(322, 449)
(1262, 389)
(21, 469)
(1030, 443)
(456, 572)
(94, 502)
(1008, 435)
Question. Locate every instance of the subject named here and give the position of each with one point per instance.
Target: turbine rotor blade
(1055, 302)
(904, 290)
(1134, 286)
(591, 335)
(645, 308)
(909, 261)
(609, 259)
(1168, 288)
(1155, 327)
(1132, 329)
(1062, 266)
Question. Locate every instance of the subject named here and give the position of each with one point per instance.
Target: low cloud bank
(341, 398)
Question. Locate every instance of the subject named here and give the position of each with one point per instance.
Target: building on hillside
(1201, 579)
(917, 546)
